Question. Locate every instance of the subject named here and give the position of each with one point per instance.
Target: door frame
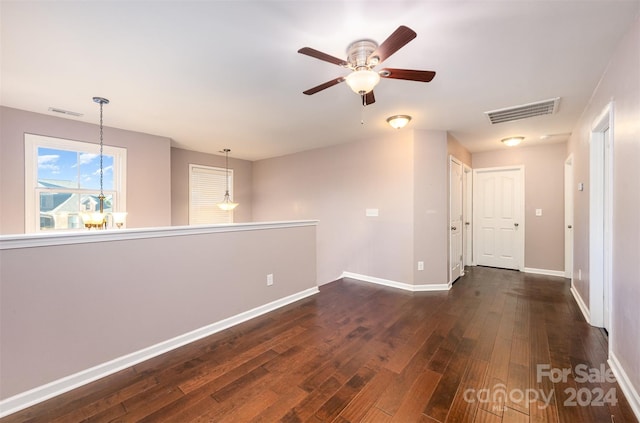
(467, 215)
(520, 217)
(600, 218)
(452, 160)
(568, 218)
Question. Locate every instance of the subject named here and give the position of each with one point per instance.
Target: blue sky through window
(74, 169)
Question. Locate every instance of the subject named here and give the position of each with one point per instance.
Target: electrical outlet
(270, 279)
(421, 265)
(538, 212)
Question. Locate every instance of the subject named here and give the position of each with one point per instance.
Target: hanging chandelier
(226, 203)
(98, 219)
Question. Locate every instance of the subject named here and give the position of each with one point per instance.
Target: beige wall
(180, 161)
(620, 84)
(431, 207)
(336, 185)
(148, 166)
(544, 189)
(156, 289)
(457, 150)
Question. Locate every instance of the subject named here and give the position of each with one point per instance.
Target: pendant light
(98, 220)
(226, 203)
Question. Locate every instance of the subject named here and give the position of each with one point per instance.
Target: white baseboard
(630, 392)
(583, 307)
(398, 285)
(545, 272)
(44, 392)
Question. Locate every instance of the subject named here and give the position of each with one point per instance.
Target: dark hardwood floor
(488, 350)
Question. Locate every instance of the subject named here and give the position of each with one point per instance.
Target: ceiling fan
(362, 57)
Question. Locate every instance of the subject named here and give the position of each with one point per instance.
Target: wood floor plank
(422, 390)
(466, 401)
(401, 384)
(358, 408)
(440, 403)
(359, 352)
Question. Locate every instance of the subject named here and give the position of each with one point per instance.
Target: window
(62, 180)
(207, 186)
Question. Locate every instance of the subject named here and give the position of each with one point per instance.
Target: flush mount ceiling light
(226, 203)
(512, 141)
(398, 121)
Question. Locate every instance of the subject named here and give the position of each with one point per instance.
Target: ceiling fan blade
(395, 42)
(324, 86)
(408, 74)
(369, 98)
(322, 56)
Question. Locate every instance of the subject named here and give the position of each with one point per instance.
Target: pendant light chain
(226, 165)
(101, 101)
(101, 170)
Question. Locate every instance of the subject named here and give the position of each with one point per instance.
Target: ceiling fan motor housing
(359, 51)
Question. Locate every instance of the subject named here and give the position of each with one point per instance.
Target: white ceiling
(215, 74)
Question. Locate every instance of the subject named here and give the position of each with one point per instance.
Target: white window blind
(207, 186)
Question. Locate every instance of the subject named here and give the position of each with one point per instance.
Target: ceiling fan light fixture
(398, 121)
(512, 141)
(362, 81)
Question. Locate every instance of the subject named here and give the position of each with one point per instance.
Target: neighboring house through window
(207, 186)
(62, 180)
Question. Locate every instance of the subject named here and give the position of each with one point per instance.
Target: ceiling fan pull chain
(364, 104)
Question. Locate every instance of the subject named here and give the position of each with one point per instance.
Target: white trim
(544, 272)
(453, 277)
(600, 245)
(9, 242)
(629, 391)
(467, 215)
(568, 216)
(581, 305)
(398, 285)
(41, 393)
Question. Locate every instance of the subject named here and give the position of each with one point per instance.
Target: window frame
(32, 142)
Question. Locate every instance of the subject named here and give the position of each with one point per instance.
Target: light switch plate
(538, 212)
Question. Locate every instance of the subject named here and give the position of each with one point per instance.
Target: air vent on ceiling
(65, 112)
(546, 107)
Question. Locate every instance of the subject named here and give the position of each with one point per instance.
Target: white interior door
(455, 219)
(498, 200)
(568, 218)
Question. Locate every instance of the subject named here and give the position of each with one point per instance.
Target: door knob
(453, 228)
(516, 224)
(569, 226)
(467, 223)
